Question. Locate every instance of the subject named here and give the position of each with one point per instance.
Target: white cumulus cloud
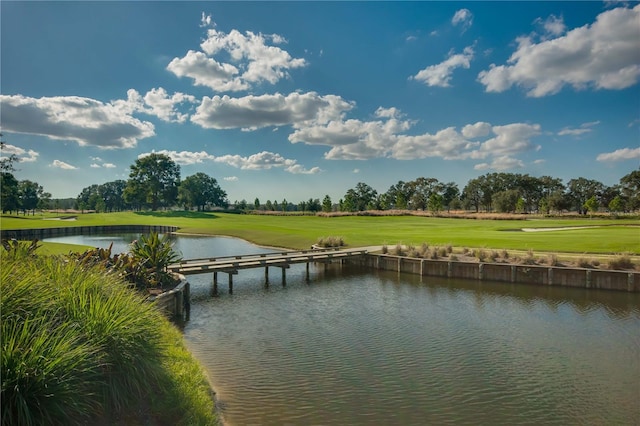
(254, 59)
(24, 156)
(622, 154)
(62, 165)
(261, 161)
(82, 120)
(440, 74)
(231, 178)
(463, 18)
(602, 55)
(253, 112)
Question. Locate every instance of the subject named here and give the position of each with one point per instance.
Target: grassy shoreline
(80, 347)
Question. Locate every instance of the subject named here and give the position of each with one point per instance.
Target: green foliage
(153, 182)
(616, 204)
(155, 254)
(79, 346)
(201, 190)
(20, 249)
(591, 204)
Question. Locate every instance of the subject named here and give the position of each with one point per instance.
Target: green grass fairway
(298, 232)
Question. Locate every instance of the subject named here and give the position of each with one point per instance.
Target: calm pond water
(356, 347)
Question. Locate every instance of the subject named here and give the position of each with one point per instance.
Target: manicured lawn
(612, 236)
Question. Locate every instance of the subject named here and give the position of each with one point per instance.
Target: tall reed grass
(78, 344)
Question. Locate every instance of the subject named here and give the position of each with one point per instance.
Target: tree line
(155, 182)
(502, 193)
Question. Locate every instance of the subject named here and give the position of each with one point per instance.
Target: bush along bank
(79, 346)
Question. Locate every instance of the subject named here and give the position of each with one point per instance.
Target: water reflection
(357, 347)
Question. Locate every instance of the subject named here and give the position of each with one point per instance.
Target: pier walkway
(232, 264)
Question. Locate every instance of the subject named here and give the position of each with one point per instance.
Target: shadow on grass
(184, 214)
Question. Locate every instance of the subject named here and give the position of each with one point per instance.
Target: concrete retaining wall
(527, 274)
(40, 233)
(176, 302)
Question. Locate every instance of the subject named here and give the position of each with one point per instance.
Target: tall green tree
(10, 192)
(327, 205)
(630, 189)
(30, 194)
(582, 189)
(436, 202)
(154, 178)
(201, 190)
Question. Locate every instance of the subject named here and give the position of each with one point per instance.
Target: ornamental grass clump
(329, 242)
(621, 262)
(80, 347)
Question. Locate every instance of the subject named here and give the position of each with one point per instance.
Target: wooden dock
(232, 264)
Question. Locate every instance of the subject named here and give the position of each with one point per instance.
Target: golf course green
(570, 235)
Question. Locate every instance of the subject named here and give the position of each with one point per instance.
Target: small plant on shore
(442, 252)
(413, 252)
(385, 249)
(155, 253)
(20, 249)
(552, 260)
(504, 254)
(328, 242)
(595, 262)
(494, 255)
(449, 248)
(424, 250)
(398, 251)
(621, 262)
(529, 259)
(480, 254)
(583, 263)
(453, 257)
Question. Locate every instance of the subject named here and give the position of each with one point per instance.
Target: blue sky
(297, 100)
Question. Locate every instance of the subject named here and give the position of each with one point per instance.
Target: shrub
(453, 257)
(424, 250)
(155, 254)
(529, 259)
(621, 262)
(328, 242)
(504, 254)
(583, 263)
(449, 248)
(552, 260)
(494, 255)
(385, 249)
(398, 251)
(480, 254)
(442, 252)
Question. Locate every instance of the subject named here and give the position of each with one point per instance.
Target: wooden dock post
(215, 283)
(284, 276)
(230, 282)
(307, 271)
(266, 276)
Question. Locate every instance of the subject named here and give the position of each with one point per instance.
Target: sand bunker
(566, 228)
